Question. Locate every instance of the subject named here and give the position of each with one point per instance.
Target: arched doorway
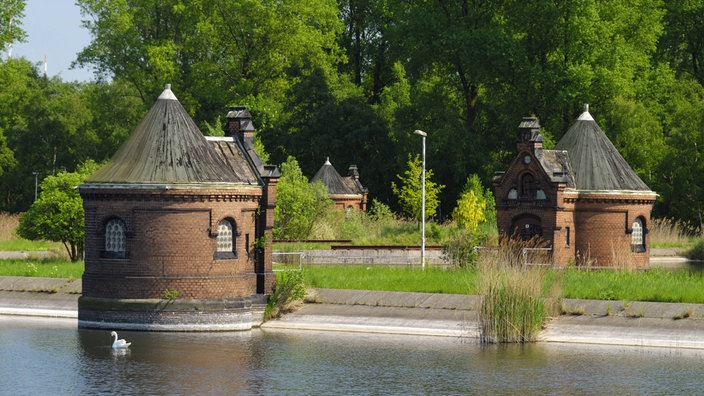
(526, 227)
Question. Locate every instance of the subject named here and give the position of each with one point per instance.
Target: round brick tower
(171, 226)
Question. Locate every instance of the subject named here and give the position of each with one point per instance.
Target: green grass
(653, 285)
(403, 279)
(49, 268)
(23, 245)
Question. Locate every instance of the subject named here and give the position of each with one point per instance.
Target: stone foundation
(235, 314)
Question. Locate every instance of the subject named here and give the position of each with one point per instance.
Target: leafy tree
(475, 206)
(326, 117)
(212, 52)
(298, 203)
(409, 192)
(682, 43)
(57, 215)
(11, 10)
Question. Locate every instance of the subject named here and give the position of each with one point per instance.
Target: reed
(514, 299)
(671, 233)
(8, 224)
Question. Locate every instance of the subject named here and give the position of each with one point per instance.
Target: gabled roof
(596, 163)
(336, 184)
(556, 164)
(166, 147)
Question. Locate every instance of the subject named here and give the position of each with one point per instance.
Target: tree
(11, 14)
(409, 192)
(57, 215)
(298, 203)
(682, 43)
(475, 206)
(213, 53)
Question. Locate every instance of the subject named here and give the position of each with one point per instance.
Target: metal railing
(284, 262)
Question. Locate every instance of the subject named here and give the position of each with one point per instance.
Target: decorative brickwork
(576, 212)
(164, 215)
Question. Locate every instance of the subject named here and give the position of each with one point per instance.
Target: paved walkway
(592, 321)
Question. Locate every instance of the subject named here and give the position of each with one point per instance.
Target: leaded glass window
(226, 239)
(637, 240)
(115, 236)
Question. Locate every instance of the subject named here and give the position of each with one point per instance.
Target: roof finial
(585, 115)
(327, 161)
(167, 93)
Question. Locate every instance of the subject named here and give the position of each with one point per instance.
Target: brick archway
(526, 226)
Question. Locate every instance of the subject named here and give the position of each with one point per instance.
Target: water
(51, 356)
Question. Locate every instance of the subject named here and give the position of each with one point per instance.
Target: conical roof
(332, 180)
(596, 163)
(166, 147)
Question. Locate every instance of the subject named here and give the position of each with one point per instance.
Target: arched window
(226, 239)
(527, 186)
(115, 242)
(637, 237)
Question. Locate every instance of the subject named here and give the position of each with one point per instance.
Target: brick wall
(171, 240)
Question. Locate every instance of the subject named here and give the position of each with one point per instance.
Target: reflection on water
(42, 356)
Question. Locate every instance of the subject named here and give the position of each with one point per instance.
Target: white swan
(119, 344)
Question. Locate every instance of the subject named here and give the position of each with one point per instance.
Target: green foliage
(380, 212)
(289, 290)
(211, 52)
(475, 206)
(57, 214)
(298, 203)
(409, 192)
(171, 294)
(697, 251)
(459, 248)
(11, 10)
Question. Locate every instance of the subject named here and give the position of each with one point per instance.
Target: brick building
(178, 227)
(347, 192)
(582, 198)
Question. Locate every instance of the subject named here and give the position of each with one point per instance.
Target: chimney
(239, 123)
(528, 137)
(352, 172)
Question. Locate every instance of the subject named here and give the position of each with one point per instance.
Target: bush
(288, 292)
(697, 251)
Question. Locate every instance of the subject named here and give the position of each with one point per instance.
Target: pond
(52, 356)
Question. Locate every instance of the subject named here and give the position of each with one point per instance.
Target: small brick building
(582, 198)
(347, 192)
(178, 227)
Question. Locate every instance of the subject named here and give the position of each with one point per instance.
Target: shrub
(288, 292)
(697, 251)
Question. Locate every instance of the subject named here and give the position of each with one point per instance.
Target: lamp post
(35, 173)
(423, 135)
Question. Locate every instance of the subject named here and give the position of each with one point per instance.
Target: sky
(53, 29)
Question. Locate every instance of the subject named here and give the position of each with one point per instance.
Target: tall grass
(8, 225)
(669, 233)
(10, 242)
(515, 300)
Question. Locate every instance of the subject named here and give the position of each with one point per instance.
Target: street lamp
(422, 210)
(35, 173)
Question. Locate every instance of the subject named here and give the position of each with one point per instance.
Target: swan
(119, 344)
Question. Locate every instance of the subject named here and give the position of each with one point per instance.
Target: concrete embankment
(590, 321)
